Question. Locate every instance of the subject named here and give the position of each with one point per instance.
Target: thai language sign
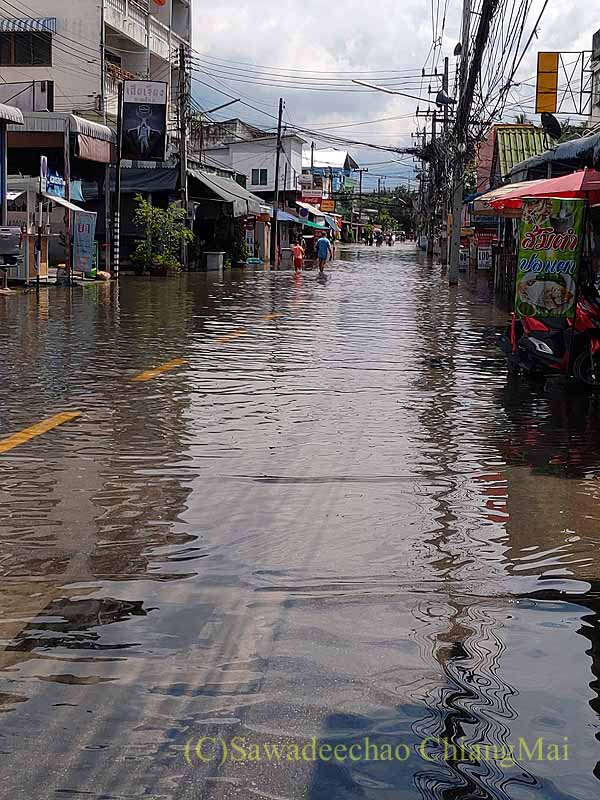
(550, 243)
(144, 121)
(84, 234)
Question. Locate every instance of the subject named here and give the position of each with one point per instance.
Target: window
(259, 177)
(26, 49)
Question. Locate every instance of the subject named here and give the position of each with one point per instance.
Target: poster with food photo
(550, 242)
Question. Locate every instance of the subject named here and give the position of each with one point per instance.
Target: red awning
(584, 185)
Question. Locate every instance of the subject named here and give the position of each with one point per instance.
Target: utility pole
(116, 237)
(431, 199)
(468, 78)
(275, 230)
(360, 195)
(312, 156)
(183, 158)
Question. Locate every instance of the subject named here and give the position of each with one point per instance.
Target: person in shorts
(298, 256)
(324, 251)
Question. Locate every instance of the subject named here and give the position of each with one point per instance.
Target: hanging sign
(550, 243)
(84, 235)
(144, 120)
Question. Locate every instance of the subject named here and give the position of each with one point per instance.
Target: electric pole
(275, 230)
(183, 158)
(116, 237)
(468, 77)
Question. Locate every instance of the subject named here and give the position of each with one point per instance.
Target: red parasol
(584, 184)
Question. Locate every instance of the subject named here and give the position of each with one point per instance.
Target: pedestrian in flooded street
(298, 256)
(324, 252)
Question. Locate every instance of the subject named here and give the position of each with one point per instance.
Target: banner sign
(144, 120)
(550, 243)
(84, 236)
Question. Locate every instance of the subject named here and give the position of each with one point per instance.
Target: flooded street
(328, 521)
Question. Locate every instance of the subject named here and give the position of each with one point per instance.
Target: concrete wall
(75, 54)
(259, 154)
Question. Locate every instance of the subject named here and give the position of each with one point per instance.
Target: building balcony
(132, 20)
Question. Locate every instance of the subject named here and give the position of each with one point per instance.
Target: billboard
(144, 120)
(550, 243)
(546, 92)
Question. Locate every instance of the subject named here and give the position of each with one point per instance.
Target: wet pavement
(327, 522)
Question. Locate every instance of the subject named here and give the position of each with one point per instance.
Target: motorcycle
(558, 346)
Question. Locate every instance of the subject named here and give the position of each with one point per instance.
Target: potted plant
(165, 232)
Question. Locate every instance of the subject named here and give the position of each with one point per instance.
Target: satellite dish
(551, 125)
(443, 99)
(458, 49)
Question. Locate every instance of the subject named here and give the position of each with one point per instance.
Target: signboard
(485, 238)
(84, 235)
(312, 196)
(546, 92)
(55, 184)
(328, 206)
(484, 258)
(550, 242)
(144, 120)
(305, 181)
(463, 259)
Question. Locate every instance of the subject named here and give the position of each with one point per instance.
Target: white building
(256, 160)
(52, 53)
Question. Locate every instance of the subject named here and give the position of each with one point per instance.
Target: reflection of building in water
(552, 452)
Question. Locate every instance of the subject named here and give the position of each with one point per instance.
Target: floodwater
(331, 556)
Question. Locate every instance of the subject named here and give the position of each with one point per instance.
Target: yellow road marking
(274, 315)
(149, 374)
(230, 336)
(36, 430)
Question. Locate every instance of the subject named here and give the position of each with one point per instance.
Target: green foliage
(165, 231)
(239, 249)
(385, 219)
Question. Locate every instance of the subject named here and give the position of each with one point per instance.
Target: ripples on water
(341, 524)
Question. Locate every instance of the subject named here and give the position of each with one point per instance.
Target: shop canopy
(244, 202)
(316, 212)
(483, 205)
(584, 184)
(11, 114)
(284, 216)
(62, 202)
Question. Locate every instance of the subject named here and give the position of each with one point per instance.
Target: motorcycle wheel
(587, 368)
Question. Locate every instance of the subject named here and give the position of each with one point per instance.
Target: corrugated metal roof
(516, 143)
(11, 114)
(54, 122)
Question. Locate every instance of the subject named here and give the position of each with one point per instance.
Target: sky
(373, 40)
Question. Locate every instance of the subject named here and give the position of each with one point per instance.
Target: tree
(165, 232)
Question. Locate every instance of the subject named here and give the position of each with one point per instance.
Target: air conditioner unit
(43, 96)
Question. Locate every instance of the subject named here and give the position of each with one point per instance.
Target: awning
(13, 195)
(244, 202)
(11, 114)
(284, 216)
(481, 205)
(320, 225)
(93, 141)
(311, 209)
(332, 223)
(136, 180)
(47, 24)
(62, 202)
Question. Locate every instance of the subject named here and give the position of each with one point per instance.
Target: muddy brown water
(339, 527)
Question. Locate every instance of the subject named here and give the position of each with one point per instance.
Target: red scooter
(556, 346)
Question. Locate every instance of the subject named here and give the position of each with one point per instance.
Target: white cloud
(349, 36)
